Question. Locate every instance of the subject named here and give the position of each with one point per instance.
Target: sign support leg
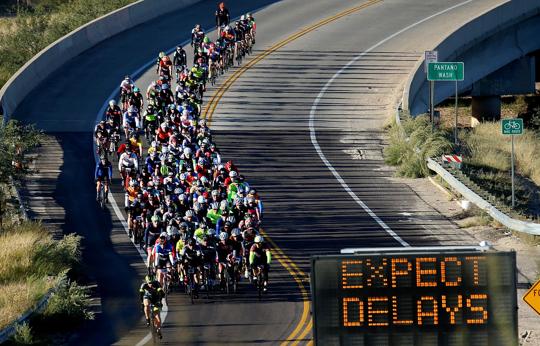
(456, 119)
(513, 189)
(431, 104)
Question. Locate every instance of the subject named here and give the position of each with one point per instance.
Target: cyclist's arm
(136, 163)
(268, 256)
(251, 257)
(120, 163)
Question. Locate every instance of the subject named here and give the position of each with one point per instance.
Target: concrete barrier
(66, 48)
(487, 43)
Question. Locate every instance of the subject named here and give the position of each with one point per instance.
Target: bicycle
(259, 280)
(156, 332)
(191, 285)
(102, 196)
(138, 231)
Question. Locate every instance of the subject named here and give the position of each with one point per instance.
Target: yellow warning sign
(532, 297)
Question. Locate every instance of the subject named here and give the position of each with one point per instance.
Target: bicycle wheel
(227, 280)
(155, 336)
(102, 197)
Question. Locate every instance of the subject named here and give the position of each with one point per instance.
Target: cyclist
(131, 120)
(252, 26)
(192, 258)
(151, 235)
(260, 255)
(164, 257)
(222, 17)
(197, 36)
(103, 174)
(151, 295)
(126, 88)
(224, 251)
(128, 164)
(179, 61)
(115, 113)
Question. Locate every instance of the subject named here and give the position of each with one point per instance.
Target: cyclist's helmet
(187, 151)
(214, 206)
(242, 17)
(233, 174)
(183, 226)
(136, 89)
(237, 23)
(223, 236)
(155, 218)
(163, 235)
(172, 231)
(189, 213)
(133, 183)
(249, 15)
(206, 39)
(235, 232)
(259, 239)
(161, 55)
(127, 77)
(231, 219)
(191, 242)
(112, 103)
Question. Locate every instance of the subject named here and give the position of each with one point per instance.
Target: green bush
(23, 334)
(412, 143)
(70, 302)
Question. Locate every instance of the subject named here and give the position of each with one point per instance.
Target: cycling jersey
(223, 251)
(163, 253)
(103, 171)
(180, 58)
(222, 16)
(259, 254)
(154, 294)
(151, 234)
(128, 161)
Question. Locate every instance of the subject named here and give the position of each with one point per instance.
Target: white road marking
(315, 104)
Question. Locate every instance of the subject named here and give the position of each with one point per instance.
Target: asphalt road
(314, 157)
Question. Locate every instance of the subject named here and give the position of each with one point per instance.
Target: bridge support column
(485, 108)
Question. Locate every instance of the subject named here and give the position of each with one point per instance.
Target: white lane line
(315, 104)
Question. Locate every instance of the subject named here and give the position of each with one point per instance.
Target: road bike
(259, 280)
(102, 195)
(190, 284)
(156, 334)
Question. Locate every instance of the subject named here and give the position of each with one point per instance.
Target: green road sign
(512, 126)
(446, 71)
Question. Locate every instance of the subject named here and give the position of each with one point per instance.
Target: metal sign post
(512, 127)
(456, 118)
(429, 57)
(446, 71)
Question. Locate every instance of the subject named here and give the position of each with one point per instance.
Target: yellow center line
(305, 324)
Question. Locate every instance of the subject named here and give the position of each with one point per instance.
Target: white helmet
(201, 199)
(259, 239)
(235, 232)
(187, 151)
(112, 103)
(172, 231)
(223, 236)
(242, 17)
(233, 174)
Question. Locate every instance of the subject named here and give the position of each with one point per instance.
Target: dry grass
(30, 262)
(18, 297)
(489, 148)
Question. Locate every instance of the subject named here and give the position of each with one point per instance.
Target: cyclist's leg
(146, 303)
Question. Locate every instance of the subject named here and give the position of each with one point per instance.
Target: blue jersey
(103, 171)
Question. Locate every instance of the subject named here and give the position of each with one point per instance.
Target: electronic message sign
(415, 298)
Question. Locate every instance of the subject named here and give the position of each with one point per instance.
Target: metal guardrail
(513, 224)
(7, 332)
